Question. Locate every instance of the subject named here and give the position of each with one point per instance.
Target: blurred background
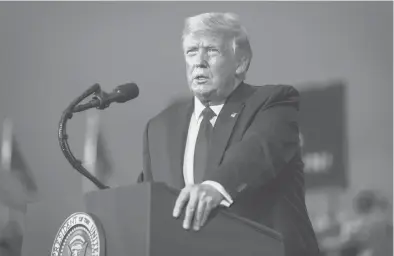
(339, 55)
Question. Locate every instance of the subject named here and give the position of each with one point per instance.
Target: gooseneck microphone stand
(62, 135)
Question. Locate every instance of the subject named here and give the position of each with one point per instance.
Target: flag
(96, 155)
(103, 162)
(17, 183)
(13, 160)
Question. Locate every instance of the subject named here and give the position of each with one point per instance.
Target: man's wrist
(227, 198)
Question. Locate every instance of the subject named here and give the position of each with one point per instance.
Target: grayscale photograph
(196, 128)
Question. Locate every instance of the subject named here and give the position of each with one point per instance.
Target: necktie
(202, 145)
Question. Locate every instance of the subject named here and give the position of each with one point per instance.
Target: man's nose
(201, 59)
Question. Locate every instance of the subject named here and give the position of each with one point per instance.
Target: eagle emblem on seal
(79, 235)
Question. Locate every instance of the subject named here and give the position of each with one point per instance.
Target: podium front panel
(43, 220)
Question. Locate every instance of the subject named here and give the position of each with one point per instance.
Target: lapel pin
(233, 115)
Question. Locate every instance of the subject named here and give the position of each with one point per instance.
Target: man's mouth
(201, 78)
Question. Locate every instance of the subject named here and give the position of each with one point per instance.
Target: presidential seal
(79, 235)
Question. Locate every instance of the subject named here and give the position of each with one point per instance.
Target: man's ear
(242, 65)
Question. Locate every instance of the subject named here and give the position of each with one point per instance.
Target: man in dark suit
(231, 145)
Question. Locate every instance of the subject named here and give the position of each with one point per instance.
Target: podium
(137, 221)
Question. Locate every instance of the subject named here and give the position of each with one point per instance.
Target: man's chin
(203, 95)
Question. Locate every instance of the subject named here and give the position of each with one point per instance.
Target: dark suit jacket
(254, 154)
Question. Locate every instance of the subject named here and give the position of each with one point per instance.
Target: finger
(190, 209)
(199, 213)
(208, 209)
(183, 197)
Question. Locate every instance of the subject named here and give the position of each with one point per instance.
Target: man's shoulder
(277, 90)
(173, 108)
(272, 94)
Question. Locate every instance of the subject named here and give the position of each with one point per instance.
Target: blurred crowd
(366, 231)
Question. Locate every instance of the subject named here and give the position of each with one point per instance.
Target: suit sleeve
(268, 145)
(146, 174)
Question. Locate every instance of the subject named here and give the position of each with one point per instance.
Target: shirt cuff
(227, 198)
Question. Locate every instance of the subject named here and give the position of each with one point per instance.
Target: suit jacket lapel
(225, 124)
(179, 126)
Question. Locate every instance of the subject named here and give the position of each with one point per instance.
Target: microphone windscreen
(126, 92)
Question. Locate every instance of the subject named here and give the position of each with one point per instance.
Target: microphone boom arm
(62, 136)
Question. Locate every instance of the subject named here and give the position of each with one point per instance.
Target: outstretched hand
(198, 201)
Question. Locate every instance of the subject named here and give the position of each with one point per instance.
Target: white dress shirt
(188, 163)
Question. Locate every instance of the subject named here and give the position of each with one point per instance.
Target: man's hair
(223, 24)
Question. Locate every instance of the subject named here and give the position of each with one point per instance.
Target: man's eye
(191, 51)
(213, 50)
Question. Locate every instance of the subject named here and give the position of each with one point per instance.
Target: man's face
(210, 67)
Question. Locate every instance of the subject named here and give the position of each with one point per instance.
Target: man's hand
(199, 200)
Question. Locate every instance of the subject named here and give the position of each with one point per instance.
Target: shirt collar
(199, 107)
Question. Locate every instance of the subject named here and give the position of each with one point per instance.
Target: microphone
(102, 100)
